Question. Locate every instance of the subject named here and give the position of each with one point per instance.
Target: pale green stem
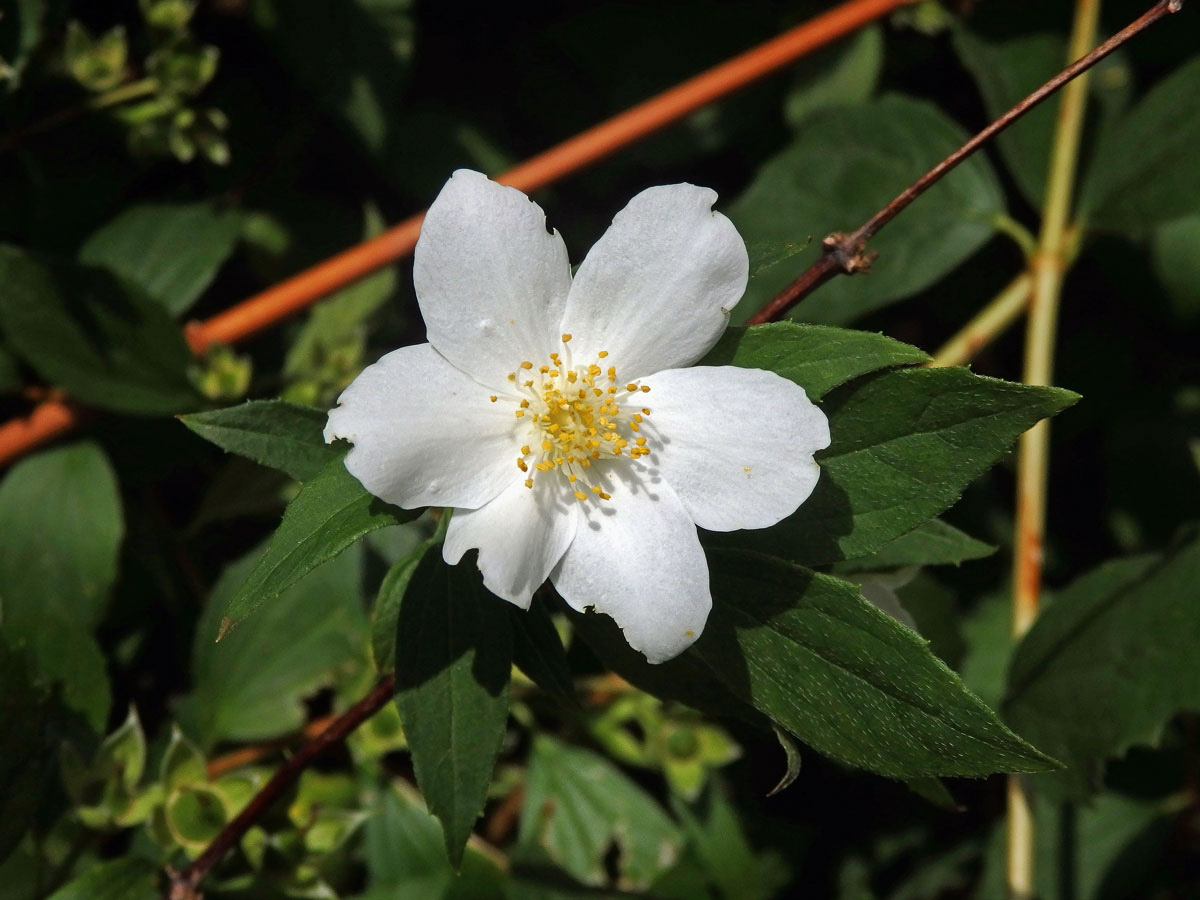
(1046, 267)
(991, 321)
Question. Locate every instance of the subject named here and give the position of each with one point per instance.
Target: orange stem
(53, 419)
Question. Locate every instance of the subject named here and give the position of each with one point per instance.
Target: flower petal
(521, 535)
(490, 280)
(424, 433)
(655, 291)
(735, 444)
(638, 559)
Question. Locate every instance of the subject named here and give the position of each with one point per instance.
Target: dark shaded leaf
(1109, 662)
(453, 661)
(103, 341)
(1145, 170)
(539, 653)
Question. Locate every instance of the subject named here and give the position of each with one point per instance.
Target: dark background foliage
(338, 116)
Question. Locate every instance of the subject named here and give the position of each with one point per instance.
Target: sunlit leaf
(278, 434)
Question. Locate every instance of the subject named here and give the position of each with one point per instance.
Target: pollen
(576, 418)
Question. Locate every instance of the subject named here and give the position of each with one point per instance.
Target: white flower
(554, 413)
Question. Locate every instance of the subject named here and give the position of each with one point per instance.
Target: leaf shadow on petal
(810, 536)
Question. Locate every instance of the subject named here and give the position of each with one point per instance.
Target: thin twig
(184, 884)
(1047, 268)
(848, 253)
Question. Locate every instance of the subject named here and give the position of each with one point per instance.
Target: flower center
(577, 415)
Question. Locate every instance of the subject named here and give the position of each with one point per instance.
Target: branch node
(850, 254)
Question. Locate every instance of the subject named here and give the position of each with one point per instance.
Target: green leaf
(251, 685)
(578, 805)
(171, 251)
(1145, 171)
(29, 742)
(932, 543)
(1111, 847)
(128, 878)
(1109, 662)
(60, 514)
(183, 764)
(105, 342)
(453, 661)
(391, 594)
(274, 433)
(792, 761)
(20, 32)
(811, 655)
(905, 444)
(1005, 73)
(1173, 250)
(538, 651)
(843, 75)
(330, 512)
(844, 166)
(406, 861)
(988, 640)
(717, 838)
(806, 650)
(816, 357)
